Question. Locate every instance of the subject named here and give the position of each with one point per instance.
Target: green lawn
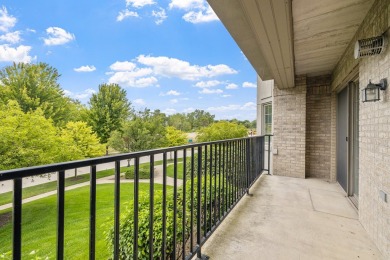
(170, 169)
(39, 222)
(28, 192)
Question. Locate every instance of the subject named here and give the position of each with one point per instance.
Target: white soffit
(263, 31)
(322, 31)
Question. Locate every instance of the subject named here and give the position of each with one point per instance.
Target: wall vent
(370, 46)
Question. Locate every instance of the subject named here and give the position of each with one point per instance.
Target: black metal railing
(180, 215)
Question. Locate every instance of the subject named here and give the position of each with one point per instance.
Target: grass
(28, 192)
(170, 170)
(39, 222)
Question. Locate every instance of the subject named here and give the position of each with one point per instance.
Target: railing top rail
(50, 168)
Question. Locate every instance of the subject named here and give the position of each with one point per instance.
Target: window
(267, 119)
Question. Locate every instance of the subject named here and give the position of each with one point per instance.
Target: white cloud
(171, 93)
(126, 13)
(123, 66)
(189, 110)
(6, 21)
(249, 85)
(80, 95)
(210, 91)
(186, 4)
(249, 106)
(198, 11)
(139, 101)
(169, 111)
(58, 36)
(139, 3)
(173, 101)
(208, 84)
(171, 67)
(231, 86)
(159, 15)
(126, 73)
(86, 68)
(145, 82)
(201, 16)
(17, 54)
(12, 37)
(134, 78)
(225, 96)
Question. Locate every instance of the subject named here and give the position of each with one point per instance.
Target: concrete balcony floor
(289, 218)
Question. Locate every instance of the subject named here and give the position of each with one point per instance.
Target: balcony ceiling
(283, 38)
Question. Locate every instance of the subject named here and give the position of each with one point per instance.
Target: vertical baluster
(151, 206)
(92, 213)
(174, 204)
(269, 155)
(192, 200)
(136, 205)
(184, 203)
(117, 209)
(17, 220)
(247, 157)
(198, 204)
(215, 183)
(230, 160)
(211, 188)
(239, 171)
(219, 179)
(60, 214)
(164, 207)
(224, 186)
(205, 193)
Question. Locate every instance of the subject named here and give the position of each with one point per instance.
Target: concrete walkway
(158, 178)
(289, 218)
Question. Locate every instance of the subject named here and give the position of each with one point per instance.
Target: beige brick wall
(318, 127)
(374, 128)
(289, 122)
(374, 154)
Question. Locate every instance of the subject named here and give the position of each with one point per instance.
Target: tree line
(39, 124)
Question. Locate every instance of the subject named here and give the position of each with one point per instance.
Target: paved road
(7, 186)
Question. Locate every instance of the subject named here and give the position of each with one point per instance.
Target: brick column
(289, 122)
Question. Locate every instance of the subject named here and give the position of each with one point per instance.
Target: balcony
(217, 203)
(290, 218)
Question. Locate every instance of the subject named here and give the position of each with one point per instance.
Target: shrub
(127, 220)
(143, 173)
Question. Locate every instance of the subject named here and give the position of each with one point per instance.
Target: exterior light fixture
(371, 93)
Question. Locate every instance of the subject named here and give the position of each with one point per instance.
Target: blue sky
(172, 55)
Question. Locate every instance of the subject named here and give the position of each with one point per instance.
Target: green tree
(200, 118)
(78, 111)
(35, 86)
(108, 109)
(179, 121)
(144, 131)
(175, 137)
(220, 131)
(29, 139)
(84, 139)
